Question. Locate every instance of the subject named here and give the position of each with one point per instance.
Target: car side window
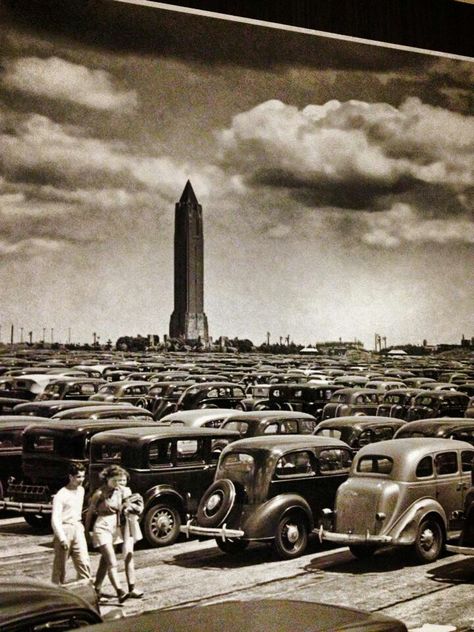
(293, 464)
(467, 460)
(160, 454)
(289, 427)
(446, 463)
(271, 429)
(425, 467)
(189, 450)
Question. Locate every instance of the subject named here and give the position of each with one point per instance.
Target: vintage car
(255, 616)
(7, 404)
(384, 385)
(48, 448)
(358, 431)
(458, 428)
(267, 422)
(71, 388)
(256, 395)
(131, 392)
(11, 429)
(352, 401)
(307, 398)
(162, 397)
(402, 492)
(211, 395)
(350, 381)
(27, 386)
(199, 417)
(464, 543)
(469, 412)
(438, 404)
(171, 467)
(397, 402)
(105, 411)
(271, 489)
(30, 605)
(467, 388)
(49, 407)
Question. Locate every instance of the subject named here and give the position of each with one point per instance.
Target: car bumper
(211, 532)
(352, 538)
(463, 550)
(21, 507)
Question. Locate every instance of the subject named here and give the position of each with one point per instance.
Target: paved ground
(198, 573)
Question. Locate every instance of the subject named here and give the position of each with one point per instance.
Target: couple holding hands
(111, 518)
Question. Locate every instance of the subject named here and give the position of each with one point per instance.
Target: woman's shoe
(122, 596)
(136, 594)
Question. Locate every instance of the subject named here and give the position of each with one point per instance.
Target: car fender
(405, 529)
(159, 491)
(261, 523)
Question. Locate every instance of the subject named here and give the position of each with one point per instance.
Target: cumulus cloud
(56, 78)
(346, 154)
(402, 224)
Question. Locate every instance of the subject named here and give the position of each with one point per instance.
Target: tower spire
(188, 196)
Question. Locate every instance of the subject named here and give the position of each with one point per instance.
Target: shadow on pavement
(458, 572)
(383, 561)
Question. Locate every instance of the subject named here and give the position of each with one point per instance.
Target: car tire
(291, 536)
(161, 524)
(429, 541)
(231, 546)
(262, 407)
(141, 403)
(216, 503)
(362, 551)
(40, 523)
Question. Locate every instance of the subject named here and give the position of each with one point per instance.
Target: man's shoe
(123, 596)
(136, 594)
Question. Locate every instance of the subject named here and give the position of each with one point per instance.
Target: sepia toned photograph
(215, 229)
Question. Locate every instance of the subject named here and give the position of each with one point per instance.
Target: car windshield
(239, 426)
(108, 389)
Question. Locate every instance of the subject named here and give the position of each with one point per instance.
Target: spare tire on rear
(217, 503)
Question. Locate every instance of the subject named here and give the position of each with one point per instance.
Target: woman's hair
(111, 471)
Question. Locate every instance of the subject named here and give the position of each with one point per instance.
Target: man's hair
(75, 469)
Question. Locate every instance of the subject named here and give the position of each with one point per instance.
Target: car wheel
(429, 541)
(141, 403)
(161, 524)
(286, 406)
(217, 503)
(206, 406)
(232, 546)
(291, 536)
(38, 522)
(239, 407)
(262, 407)
(361, 551)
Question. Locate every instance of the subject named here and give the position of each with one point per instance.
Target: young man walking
(69, 535)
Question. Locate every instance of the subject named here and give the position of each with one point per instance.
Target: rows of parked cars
(270, 449)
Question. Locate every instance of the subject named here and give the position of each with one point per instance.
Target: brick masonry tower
(188, 319)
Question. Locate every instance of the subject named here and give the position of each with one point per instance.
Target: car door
(450, 484)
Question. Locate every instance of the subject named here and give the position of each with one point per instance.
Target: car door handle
(461, 486)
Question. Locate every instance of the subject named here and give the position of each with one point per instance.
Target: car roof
(429, 426)
(25, 598)
(150, 433)
(359, 420)
(281, 443)
(254, 616)
(399, 448)
(268, 414)
(71, 378)
(197, 413)
(48, 403)
(77, 426)
(98, 408)
(18, 421)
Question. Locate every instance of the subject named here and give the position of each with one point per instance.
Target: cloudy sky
(336, 178)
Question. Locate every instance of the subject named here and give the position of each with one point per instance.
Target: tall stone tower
(188, 319)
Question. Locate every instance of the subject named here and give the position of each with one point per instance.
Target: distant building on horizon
(188, 320)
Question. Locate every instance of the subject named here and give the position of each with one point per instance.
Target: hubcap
(213, 503)
(427, 539)
(163, 523)
(292, 533)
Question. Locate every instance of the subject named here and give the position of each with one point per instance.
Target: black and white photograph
(215, 229)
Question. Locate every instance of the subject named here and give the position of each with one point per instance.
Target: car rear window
(334, 433)
(10, 439)
(375, 464)
(334, 460)
(239, 426)
(238, 466)
(108, 453)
